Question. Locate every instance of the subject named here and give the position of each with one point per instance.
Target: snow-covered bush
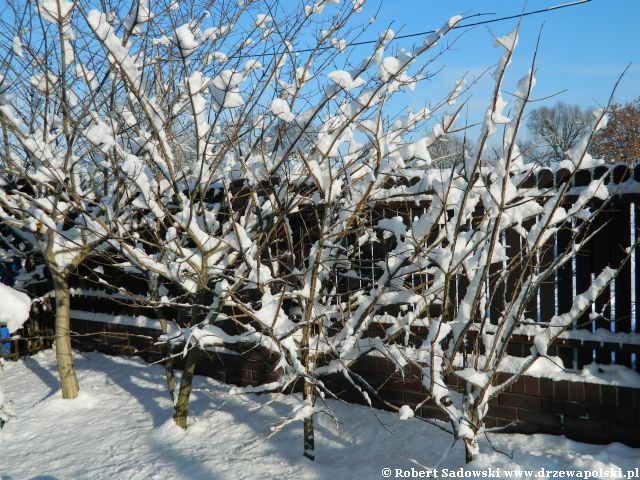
(319, 292)
(453, 265)
(14, 311)
(219, 154)
(238, 156)
(14, 307)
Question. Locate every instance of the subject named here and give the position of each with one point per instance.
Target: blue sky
(583, 49)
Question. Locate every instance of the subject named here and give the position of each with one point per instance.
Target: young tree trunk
(309, 395)
(471, 444)
(169, 373)
(309, 438)
(64, 358)
(188, 369)
(184, 394)
(468, 451)
(168, 364)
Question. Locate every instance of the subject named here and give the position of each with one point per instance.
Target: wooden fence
(609, 335)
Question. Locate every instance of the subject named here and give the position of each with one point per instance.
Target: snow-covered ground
(120, 427)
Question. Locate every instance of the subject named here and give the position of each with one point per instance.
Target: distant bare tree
(555, 130)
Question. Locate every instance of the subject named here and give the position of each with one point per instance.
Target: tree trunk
(309, 393)
(471, 444)
(66, 370)
(182, 405)
(468, 451)
(169, 373)
(188, 369)
(168, 364)
(309, 438)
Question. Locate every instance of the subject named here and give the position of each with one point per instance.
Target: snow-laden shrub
(14, 311)
(14, 307)
(238, 158)
(219, 154)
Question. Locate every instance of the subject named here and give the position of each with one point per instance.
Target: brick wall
(581, 411)
(587, 412)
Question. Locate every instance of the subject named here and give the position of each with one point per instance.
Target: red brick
(532, 386)
(503, 423)
(377, 381)
(501, 378)
(413, 371)
(519, 401)
(382, 365)
(248, 383)
(576, 391)
(546, 387)
(369, 364)
(432, 412)
(575, 409)
(561, 390)
(625, 398)
(608, 414)
(365, 365)
(490, 423)
(499, 411)
(392, 395)
(453, 381)
(592, 393)
(518, 386)
(253, 366)
(609, 395)
(415, 398)
(358, 367)
(406, 384)
(553, 420)
(587, 430)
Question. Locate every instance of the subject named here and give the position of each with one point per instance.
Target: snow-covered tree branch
(248, 165)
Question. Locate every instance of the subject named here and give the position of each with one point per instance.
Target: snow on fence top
(414, 186)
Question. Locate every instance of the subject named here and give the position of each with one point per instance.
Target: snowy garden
(233, 180)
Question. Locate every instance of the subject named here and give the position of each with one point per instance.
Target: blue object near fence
(8, 272)
(4, 334)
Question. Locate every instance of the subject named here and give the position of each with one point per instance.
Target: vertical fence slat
(582, 276)
(547, 254)
(496, 291)
(564, 277)
(600, 258)
(621, 240)
(514, 255)
(564, 290)
(547, 289)
(530, 265)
